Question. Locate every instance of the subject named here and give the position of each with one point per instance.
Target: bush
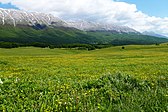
(123, 47)
(82, 48)
(38, 44)
(78, 46)
(91, 48)
(51, 46)
(8, 45)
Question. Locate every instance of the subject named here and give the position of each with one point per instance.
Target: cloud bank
(106, 11)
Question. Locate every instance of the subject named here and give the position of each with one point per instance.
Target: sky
(142, 15)
(156, 8)
(7, 6)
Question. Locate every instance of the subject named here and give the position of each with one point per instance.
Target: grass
(111, 79)
(59, 36)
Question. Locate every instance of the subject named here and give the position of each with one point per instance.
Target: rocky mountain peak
(17, 17)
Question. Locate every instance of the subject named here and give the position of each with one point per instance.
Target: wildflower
(41, 93)
(152, 84)
(1, 82)
(17, 79)
(60, 102)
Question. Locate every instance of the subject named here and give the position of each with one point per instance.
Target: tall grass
(112, 79)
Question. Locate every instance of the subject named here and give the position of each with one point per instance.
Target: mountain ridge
(17, 17)
(154, 34)
(92, 26)
(27, 28)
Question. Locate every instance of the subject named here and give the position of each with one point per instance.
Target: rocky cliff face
(17, 17)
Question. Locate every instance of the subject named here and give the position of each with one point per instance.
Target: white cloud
(109, 11)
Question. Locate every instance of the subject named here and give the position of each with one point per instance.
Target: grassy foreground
(67, 80)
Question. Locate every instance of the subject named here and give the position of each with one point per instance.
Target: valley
(48, 64)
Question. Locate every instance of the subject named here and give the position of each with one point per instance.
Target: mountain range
(17, 17)
(154, 34)
(29, 27)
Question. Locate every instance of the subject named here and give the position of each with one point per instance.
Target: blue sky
(157, 8)
(8, 6)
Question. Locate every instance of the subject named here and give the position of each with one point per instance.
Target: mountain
(91, 26)
(17, 17)
(154, 34)
(31, 27)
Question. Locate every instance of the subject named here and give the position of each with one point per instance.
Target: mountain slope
(153, 34)
(58, 36)
(90, 26)
(126, 39)
(16, 17)
(48, 35)
(26, 28)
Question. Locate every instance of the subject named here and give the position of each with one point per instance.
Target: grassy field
(134, 79)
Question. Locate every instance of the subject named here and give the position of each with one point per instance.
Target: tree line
(51, 46)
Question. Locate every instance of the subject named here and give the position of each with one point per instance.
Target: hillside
(21, 27)
(62, 35)
(154, 34)
(126, 39)
(48, 35)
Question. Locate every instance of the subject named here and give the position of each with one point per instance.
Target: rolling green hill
(126, 39)
(61, 35)
(25, 34)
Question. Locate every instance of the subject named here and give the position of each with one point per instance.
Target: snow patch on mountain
(91, 26)
(17, 17)
(154, 34)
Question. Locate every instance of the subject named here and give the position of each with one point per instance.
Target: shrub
(51, 46)
(38, 44)
(82, 48)
(8, 45)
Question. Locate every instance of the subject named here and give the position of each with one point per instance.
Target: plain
(110, 79)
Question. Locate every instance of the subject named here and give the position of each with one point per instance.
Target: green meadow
(134, 79)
